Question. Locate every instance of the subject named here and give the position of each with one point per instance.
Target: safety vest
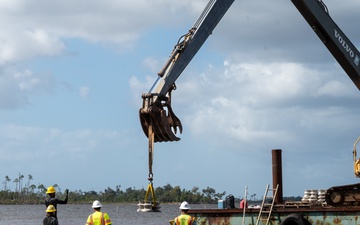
(98, 218)
(184, 219)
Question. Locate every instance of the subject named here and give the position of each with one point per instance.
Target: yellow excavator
(346, 194)
(356, 161)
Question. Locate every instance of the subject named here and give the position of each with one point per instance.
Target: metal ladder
(266, 208)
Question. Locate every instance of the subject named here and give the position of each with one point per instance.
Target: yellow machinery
(346, 194)
(356, 161)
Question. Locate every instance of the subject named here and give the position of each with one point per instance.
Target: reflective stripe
(102, 219)
(90, 220)
(107, 219)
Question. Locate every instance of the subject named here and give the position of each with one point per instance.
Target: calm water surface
(73, 214)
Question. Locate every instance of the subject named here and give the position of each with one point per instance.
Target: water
(77, 214)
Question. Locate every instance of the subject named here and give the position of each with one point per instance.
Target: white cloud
(16, 141)
(272, 102)
(33, 30)
(16, 87)
(84, 91)
(18, 45)
(335, 88)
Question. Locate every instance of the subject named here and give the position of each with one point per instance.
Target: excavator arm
(156, 115)
(157, 118)
(317, 15)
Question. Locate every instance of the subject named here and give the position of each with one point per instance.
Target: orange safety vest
(98, 218)
(184, 219)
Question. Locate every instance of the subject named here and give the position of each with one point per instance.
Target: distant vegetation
(27, 193)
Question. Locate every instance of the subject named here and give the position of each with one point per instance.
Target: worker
(98, 218)
(243, 203)
(50, 218)
(184, 218)
(52, 200)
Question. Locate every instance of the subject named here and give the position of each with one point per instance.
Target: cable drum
(335, 196)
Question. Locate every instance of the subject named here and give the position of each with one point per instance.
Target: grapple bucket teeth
(164, 125)
(173, 120)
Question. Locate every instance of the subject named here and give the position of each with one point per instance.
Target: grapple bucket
(164, 122)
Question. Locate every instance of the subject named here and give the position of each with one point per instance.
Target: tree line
(27, 193)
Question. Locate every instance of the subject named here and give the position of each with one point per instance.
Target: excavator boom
(157, 118)
(317, 15)
(156, 113)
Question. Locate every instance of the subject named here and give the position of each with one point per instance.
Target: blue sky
(72, 75)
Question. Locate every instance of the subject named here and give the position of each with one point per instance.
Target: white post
(245, 204)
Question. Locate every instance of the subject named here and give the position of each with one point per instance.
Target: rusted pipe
(277, 175)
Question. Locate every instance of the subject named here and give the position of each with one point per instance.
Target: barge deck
(285, 214)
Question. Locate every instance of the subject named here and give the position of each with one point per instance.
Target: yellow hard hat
(50, 208)
(50, 190)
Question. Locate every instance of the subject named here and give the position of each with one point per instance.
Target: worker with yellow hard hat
(50, 218)
(52, 200)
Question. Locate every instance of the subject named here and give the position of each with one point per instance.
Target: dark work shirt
(54, 202)
(50, 220)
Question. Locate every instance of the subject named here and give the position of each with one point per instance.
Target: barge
(282, 215)
(280, 212)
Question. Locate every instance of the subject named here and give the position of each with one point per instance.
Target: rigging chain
(150, 177)
(151, 152)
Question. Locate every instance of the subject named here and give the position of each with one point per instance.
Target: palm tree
(41, 188)
(28, 182)
(20, 181)
(29, 179)
(32, 188)
(57, 188)
(16, 181)
(7, 179)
